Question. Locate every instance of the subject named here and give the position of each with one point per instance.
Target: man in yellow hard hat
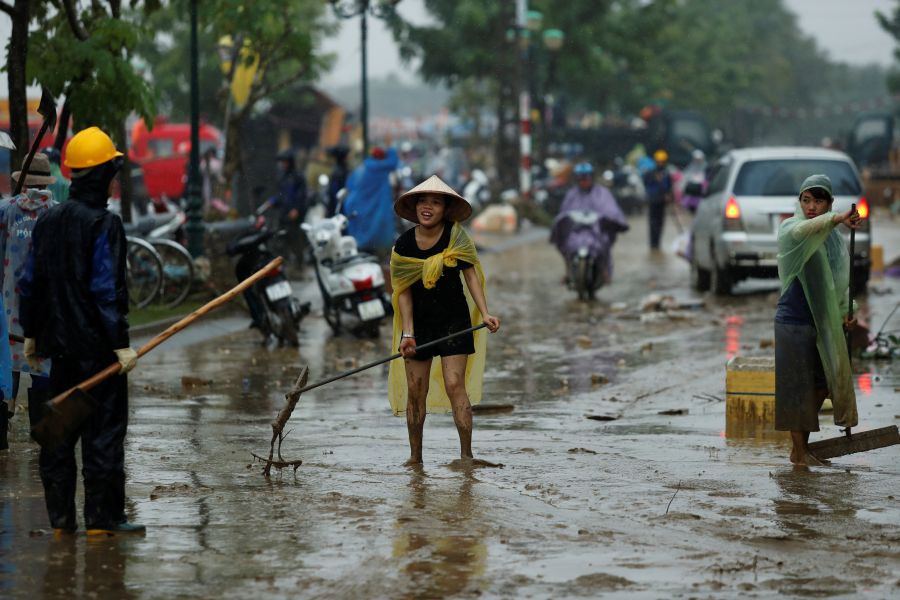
(658, 184)
(74, 307)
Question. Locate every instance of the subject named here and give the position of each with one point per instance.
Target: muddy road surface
(640, 505)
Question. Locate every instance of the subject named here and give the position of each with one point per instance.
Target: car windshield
(783, 177)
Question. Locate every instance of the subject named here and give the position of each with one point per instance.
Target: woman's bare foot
(413, 462)
(805, 459)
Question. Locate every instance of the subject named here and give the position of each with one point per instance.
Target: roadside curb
(155, 327)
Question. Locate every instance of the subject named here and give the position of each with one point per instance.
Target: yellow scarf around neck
(405, 271)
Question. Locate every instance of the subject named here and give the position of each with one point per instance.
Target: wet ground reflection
(644, 505)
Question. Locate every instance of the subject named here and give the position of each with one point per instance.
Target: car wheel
(700, 279)
(721, 281)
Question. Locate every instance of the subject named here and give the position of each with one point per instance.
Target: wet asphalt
(643, 505)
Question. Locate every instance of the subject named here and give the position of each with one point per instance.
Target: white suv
(751, 191)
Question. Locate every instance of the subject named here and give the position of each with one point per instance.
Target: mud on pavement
(643, 505)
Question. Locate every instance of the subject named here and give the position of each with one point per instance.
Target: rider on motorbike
(588, 197)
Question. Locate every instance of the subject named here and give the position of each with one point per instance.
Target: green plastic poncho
(812, 251)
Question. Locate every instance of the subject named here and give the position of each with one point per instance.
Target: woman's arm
(407, 344)
(827, 221)
(477, 293)
(815, 225)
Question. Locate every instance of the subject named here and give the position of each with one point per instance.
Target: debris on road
(189, 381)
(177, 489)
(278, 425)
(857, 442)
(492, 409)
(581, 451)
(599, 379)
(602, 417)
(767, 343)
(673, 411)
(584, 341)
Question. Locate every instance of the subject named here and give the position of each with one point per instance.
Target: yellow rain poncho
(813, 251)
(405, 271)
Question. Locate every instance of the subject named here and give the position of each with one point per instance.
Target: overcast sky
(845, 28)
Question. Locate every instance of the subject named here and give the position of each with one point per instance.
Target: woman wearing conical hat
(429, 264)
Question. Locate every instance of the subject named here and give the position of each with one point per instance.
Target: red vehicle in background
(164, 151)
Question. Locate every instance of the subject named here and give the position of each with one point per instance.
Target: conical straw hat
(458, 208)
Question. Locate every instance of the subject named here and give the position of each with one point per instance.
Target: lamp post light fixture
(379, 9)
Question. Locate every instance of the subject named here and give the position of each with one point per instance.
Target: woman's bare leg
(417, 374)
(820, 399)
(454, 368)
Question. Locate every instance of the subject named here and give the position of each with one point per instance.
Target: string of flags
(822, 112)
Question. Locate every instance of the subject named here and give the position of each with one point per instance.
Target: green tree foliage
(283, 36)
(467, 48)
(86, 56)
(891, 24)
(714, 56)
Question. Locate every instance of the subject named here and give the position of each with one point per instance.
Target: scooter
(477, 190)
(585, 240)
(351, 282)
(276, 312)
(626, 185)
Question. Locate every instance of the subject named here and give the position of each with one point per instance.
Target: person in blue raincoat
(18, 216)
(369, 206)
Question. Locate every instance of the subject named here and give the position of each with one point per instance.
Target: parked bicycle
(144, 272)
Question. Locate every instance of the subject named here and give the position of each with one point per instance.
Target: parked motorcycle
(276, 312)
(477, 190)
(351, 282)
(585, 240)
(627, 186)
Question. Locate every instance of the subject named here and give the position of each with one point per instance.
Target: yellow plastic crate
(750, 396)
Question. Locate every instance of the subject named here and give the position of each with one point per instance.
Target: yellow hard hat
(661, 156)
(88, 148)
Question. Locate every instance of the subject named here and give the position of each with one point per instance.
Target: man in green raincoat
(811, 360)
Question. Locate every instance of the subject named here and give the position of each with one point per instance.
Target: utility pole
(194, 209)
(524, 107)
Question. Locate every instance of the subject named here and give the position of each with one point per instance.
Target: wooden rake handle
(210, 306)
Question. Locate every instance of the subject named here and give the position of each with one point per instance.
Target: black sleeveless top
(446, 301)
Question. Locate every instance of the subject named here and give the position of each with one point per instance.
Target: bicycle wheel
(144, 272)
(178, 272)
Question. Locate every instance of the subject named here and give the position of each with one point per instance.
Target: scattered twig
(278, 464)
(677, 488)
(278, 425)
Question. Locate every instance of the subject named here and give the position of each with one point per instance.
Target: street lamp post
(553, 42)
(347, 9)
(194, 209)
(529, 24)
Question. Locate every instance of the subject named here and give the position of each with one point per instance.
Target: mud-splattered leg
(417, 372)
(454, 368)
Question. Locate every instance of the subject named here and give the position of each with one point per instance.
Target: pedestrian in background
(658, 185)
(338, 178)
(18, 216)
(811, 359)
(60, 187)
(74, 308)
(290, 200)
(429, 263)
(369, 203)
